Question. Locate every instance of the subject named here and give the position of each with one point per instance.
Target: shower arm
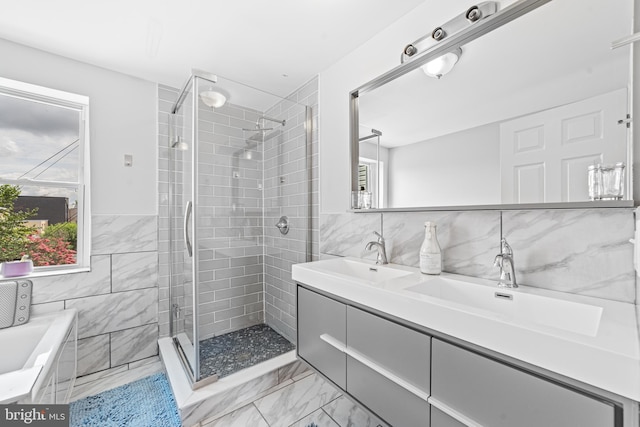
(281, 122)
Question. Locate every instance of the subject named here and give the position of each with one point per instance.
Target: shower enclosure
(239, 163)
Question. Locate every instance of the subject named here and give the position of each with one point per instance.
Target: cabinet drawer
(394, 404)
(398, 349)
(321, 316)
(494, 394)
(440, 419)
(386, 366)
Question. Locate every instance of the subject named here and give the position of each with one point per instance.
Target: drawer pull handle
(374, 366)
(334, 342)
(453, 413)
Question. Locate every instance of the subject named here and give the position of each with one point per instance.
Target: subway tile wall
(245, 186)
(117, 301)
(585, 251)
(291, 190)
(229, 230)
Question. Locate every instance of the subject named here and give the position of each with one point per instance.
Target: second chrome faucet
(380, 246)
(504, 260)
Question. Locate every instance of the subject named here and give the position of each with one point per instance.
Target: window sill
(47, 273)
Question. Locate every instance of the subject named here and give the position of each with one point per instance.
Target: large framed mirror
(535, 113)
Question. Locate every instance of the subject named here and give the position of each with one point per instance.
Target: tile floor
(303, 400)
(308, 399)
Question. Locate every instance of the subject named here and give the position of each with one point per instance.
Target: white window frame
(81, 104)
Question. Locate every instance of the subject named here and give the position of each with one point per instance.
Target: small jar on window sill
(16, 268)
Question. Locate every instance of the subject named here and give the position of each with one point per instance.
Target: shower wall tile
(243, 180)
(578, 251)
(288, 174)
(347, 234)
(136, 270)
(134, 344)
(113, 312)
(469, 240)
(67, 286)
(124, 233)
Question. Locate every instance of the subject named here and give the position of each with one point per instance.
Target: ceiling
(275, 46)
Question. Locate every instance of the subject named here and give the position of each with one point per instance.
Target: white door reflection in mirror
(540, 150)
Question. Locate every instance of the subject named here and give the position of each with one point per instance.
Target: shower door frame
(194, 377)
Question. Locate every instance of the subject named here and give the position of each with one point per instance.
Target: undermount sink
(512, 306)
(360, 270)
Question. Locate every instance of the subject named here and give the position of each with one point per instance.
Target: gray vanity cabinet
(440, 419)
(410, 379)
(491, 393)
(388, 368)
(319, 316)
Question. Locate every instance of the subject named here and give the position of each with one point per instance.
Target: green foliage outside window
(14, 233)
(56, 245)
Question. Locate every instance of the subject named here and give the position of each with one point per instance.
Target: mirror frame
(456, 40)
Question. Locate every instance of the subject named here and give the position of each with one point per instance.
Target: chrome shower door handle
(187, 214)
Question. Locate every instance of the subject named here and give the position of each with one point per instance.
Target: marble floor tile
(319, 418)
(116, 380)
(348, 414)
(243, 417)
(292, 403)
(240, 406)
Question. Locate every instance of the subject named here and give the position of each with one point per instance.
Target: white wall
(447, 171)
(122, 121)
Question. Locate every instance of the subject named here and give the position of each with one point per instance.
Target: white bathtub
(38, 359)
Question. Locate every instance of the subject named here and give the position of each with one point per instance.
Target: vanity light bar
(472, 15)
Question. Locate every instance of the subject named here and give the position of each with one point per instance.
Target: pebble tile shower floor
(234, 351)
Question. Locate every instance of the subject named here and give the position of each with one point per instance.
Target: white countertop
(608, 359)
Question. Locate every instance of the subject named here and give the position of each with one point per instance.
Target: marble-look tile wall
(286, 193)
(117, 301)
(584, 251)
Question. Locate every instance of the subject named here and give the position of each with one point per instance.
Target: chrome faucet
(504, 260)
(379, 245)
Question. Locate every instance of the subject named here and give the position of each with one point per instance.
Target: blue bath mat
(144, 403)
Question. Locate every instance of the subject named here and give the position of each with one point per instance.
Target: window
(44, 176)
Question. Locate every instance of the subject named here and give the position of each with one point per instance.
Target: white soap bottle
(430, 254)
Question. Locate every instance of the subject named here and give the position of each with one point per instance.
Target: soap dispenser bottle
(430, 254)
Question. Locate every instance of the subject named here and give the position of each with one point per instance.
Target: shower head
(179, 144)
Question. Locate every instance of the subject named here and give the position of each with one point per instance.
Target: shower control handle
(187, 214)
(283, 225)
